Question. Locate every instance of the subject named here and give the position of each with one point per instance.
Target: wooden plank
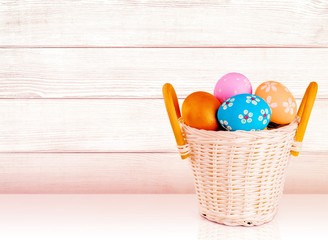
(163, 23)
(140, 73)
(308, 173)
(81, 125)
(94, 173)
(106, 125)
(130, 173)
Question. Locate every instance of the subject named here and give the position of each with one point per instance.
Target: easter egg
(280, 100)
(199, 111)
(244, 112)
(231, 84)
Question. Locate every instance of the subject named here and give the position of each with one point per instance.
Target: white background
(81, 109)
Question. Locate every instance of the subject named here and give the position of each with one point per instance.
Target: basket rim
(238, 133)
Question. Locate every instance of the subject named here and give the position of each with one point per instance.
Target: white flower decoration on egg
(225, 124)
(252, 99)
(271, 104)
(289, 106)
(269, 86)
(228, 103)
(265, 116)
(247, 117)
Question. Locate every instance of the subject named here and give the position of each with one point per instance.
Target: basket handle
(304, 113)
(173, 111)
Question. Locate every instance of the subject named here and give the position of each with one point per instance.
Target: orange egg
(199, 111)
(280, 100)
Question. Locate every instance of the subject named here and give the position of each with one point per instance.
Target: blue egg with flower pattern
(245, 111)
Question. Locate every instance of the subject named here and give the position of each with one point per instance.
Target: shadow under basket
(239, 175)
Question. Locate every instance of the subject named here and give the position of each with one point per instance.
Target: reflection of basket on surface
(211, 231)
(239, 176)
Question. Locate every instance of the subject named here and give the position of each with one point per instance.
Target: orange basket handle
(173, 111)
(304, 113)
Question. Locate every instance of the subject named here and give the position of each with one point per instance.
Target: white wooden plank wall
(81, 109)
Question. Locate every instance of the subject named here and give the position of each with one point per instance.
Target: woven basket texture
(239, 175)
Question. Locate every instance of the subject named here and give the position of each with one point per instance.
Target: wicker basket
(239, 175)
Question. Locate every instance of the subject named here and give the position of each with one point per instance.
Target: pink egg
(231, 84)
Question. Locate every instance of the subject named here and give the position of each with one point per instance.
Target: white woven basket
(239, 175)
